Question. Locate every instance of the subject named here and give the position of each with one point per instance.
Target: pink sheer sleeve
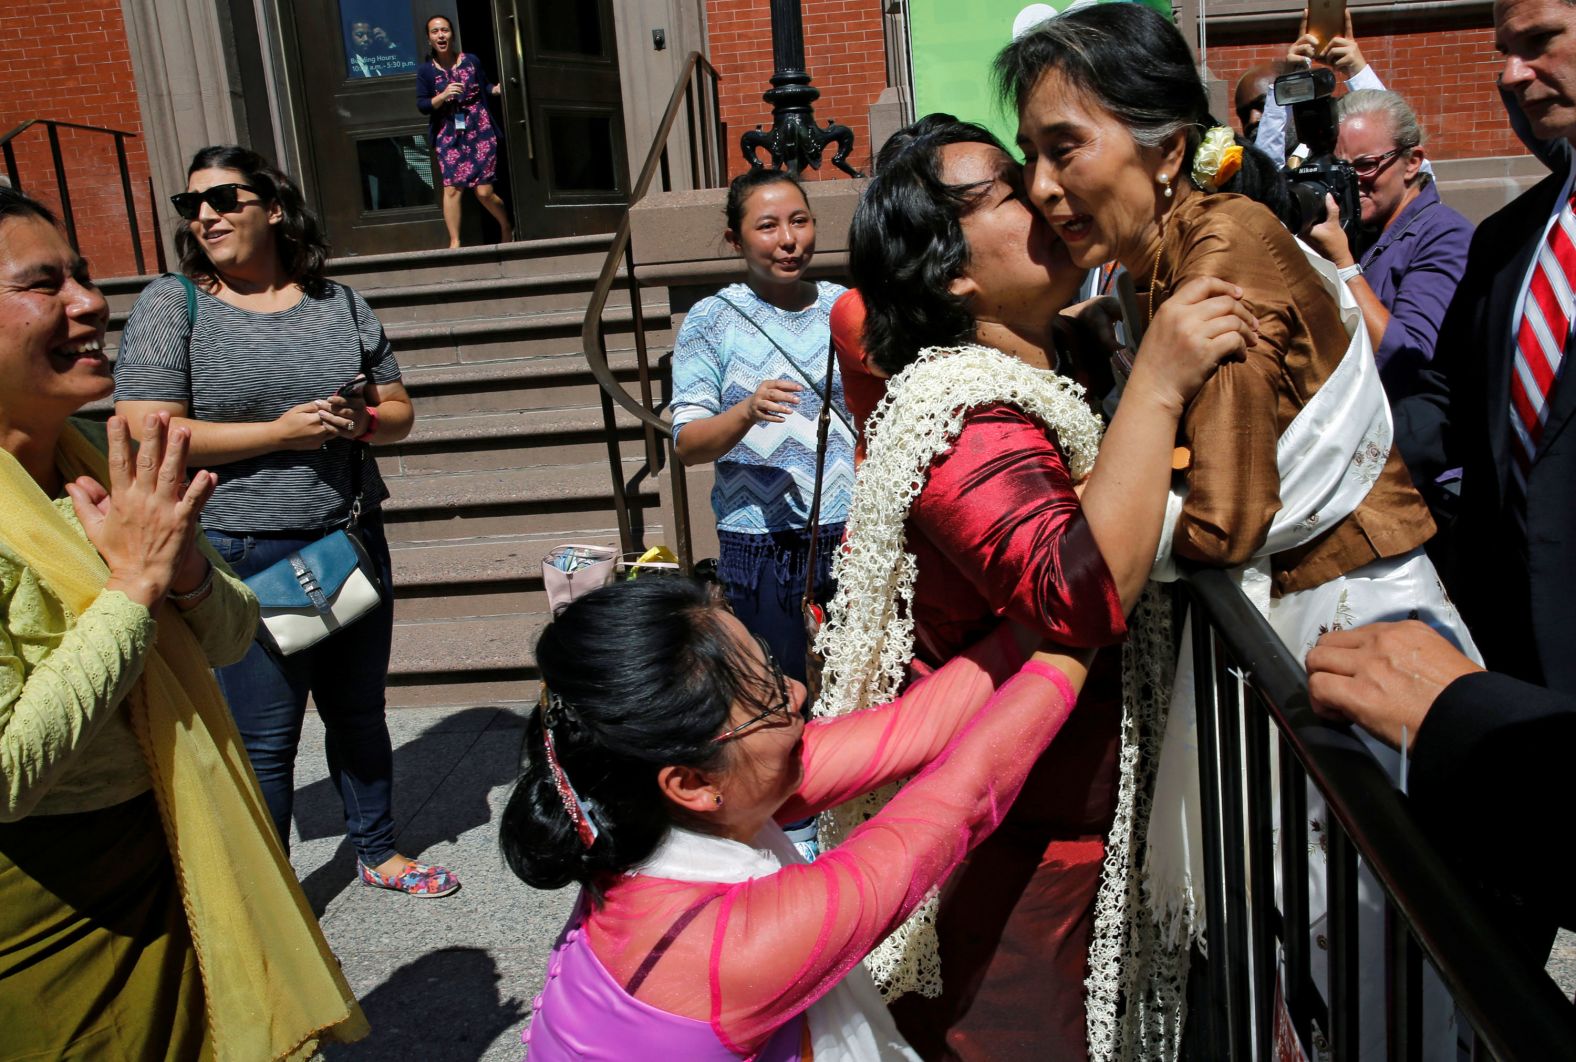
(776, 944)
(853, 754)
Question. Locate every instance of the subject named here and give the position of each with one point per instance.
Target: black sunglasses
(221, 197)
(781, 708)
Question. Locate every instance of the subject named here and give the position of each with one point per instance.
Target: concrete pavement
(450, 979)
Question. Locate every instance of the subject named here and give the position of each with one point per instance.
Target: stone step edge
(473, 490)
(394, 259)
(544, 320)
(501, 426)
(454, 290)
(479, 326)
(458, 375)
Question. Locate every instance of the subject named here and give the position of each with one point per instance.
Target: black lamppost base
(795, 141)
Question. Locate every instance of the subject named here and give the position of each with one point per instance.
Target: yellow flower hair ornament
(1217, 159)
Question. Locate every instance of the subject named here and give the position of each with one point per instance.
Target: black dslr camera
(1311, 176)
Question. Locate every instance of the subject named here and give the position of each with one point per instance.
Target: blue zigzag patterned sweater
(765, 483)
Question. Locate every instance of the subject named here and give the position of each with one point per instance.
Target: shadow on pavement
(445, 1006)
(454, 802)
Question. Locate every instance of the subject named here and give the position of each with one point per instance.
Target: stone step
(459, 300)
(474, 577)
(434, 302)
(551, 499)
(460, 692)
(445, 661)
(516, 336)
(498, 338)
(515, 439)
(521, 258)
(548, 381)
(371, 272)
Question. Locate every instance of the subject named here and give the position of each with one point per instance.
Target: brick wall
(1447, 76)
(843, 48)
(69, 60)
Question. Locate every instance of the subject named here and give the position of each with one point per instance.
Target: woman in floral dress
(451, 90)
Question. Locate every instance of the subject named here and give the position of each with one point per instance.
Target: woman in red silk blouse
(997, 530)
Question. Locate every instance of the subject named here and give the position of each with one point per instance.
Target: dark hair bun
(644, 674)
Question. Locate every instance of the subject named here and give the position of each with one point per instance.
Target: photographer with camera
(1411, 249)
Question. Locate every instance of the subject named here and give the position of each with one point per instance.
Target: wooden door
(564, 118)
(374, 181)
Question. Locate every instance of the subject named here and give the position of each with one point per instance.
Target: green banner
(953, 44)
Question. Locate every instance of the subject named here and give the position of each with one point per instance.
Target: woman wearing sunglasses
(669, 749)
(285, 380)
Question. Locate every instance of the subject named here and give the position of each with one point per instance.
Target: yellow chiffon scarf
(272, 988)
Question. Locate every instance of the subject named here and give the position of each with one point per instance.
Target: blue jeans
(344, 673)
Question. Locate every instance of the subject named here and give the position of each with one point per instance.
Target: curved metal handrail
(657, 428)
(67, 213)
(62, 125)
(591, 334)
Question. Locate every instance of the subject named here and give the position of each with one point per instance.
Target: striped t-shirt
(235, 366)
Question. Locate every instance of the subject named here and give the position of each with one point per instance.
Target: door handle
(524, 121)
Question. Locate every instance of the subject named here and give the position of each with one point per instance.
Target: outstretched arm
(850, 755)
(782, 941)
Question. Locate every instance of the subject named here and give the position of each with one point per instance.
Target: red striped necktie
(1540, 341)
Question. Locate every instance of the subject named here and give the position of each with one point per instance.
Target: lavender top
(1414, 269)
(584, 1015)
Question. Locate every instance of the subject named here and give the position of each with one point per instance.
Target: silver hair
(1403, 120)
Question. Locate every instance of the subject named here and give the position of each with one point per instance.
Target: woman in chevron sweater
(749, 370)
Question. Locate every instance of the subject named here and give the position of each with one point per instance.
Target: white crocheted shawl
(868, 639)
(1135, 982)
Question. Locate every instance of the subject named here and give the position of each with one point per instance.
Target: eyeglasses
(781, 708)
(221, 197)
(1368, 165)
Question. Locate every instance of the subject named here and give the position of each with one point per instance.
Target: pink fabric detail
(1058, 677)
(776, 944)
(584, 1014)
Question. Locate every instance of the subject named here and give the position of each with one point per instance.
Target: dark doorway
(562, 168)
(564, 115)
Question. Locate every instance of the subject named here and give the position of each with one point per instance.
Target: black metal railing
(68, 215)
(695, 95)
(1246, 680)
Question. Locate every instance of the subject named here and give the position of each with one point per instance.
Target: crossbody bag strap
(794, 365)
(661, 947)
(361, 452)
(822, 430)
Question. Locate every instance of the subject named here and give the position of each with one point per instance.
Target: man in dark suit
(1496, 402)
(1493, 748)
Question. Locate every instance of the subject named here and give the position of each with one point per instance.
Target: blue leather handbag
(315, 591)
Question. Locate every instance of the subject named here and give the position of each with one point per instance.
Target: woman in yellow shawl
(146, 910)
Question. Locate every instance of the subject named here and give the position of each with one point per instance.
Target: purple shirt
(1414, 269)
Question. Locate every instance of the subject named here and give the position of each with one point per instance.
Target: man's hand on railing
(1383, 676)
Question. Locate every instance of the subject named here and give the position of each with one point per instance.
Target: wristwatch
(1349, 272)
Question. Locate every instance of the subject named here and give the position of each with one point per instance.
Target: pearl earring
(1165, 183)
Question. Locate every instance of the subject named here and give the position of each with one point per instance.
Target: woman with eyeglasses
(1287, 475)
(669, 749)
(286, 382)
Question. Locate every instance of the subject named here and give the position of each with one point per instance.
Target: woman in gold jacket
(146, 909)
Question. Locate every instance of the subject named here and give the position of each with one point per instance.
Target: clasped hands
(145, 524)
